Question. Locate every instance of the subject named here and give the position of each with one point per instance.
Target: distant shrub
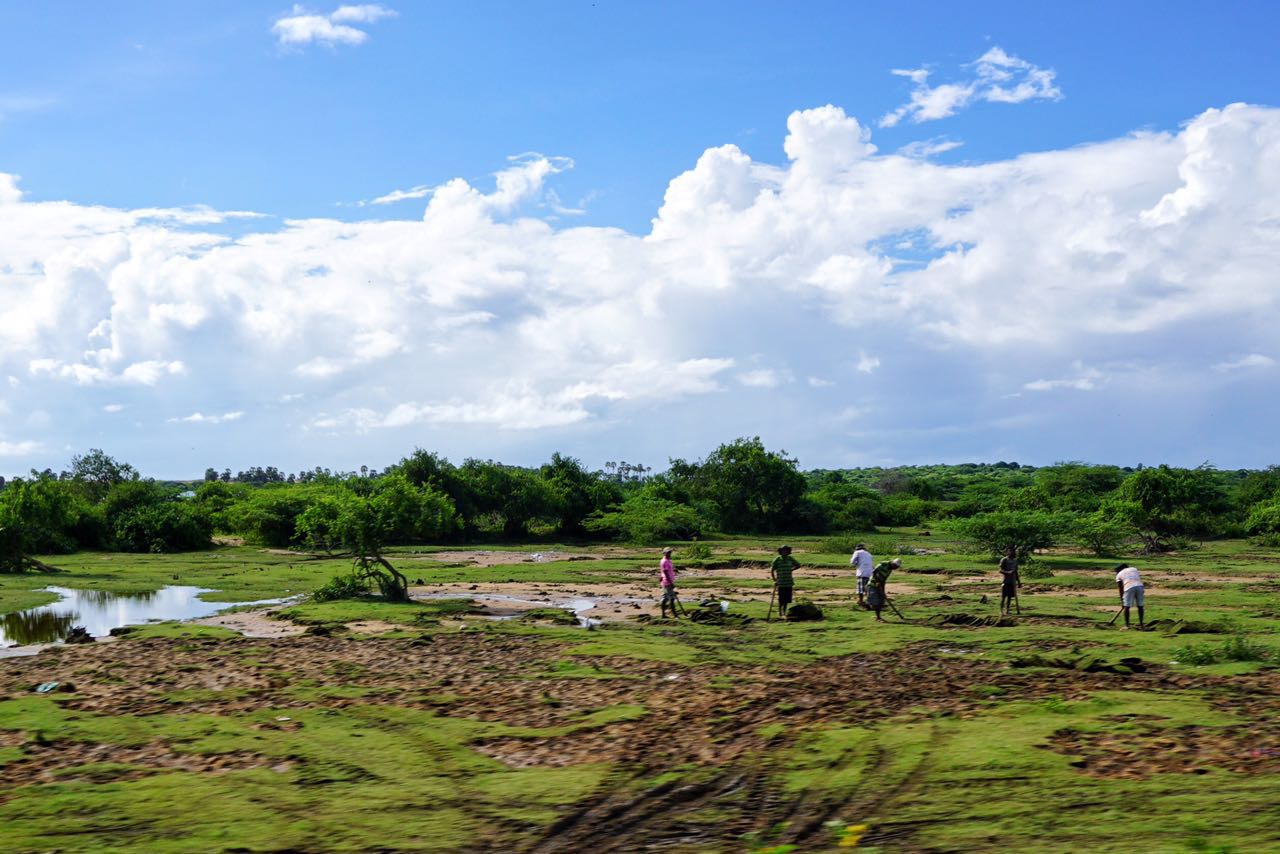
(1034, 570)
(1264, 519)
(1024, 530)
(839, 544)
(695, 551)
(647, 520)
(169, 527)
(347, 586)
(1101, 534)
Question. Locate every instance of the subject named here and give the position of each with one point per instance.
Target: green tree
(97, 473)
(1024, 530)
(646, 519)
(576, 493)
(424, 468)
(36, 517)
(1102, 534)
(513, 496)
(1264, 519)
(363, 526)
(1163, 502)
(172, 526)
(751, 488)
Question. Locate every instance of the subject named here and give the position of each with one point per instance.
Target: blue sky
(1062, 248)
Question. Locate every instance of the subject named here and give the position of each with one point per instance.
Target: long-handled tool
(679, 605)
(1016, 603)
(773, 593)
(1116, 616)
(894, 608)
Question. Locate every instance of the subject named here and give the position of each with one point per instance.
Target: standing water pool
(100, 611)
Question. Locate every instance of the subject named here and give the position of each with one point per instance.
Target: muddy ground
(723, 727)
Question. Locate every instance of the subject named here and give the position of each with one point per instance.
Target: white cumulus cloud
(474, 322)
(301, 27)
(996, 77)
(1253, 360)
(201, 418)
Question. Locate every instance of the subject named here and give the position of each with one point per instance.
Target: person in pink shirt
(668, 583)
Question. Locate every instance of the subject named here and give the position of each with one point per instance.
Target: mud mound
(1086, 664)
(711, 615)
(971, 620)
(804, 612)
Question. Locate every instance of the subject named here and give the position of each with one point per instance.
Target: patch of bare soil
(483, 558)
(704, 718)
(254, 624)
(1150, 749)
(64, 761)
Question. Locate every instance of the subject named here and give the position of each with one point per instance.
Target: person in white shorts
(862, 564)
(1129, 585)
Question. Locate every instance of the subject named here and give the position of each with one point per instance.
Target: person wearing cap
(782, 571)
(668, 571)
(862, 567)
(877, 596)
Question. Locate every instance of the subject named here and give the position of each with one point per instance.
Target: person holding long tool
(1132, 592)
(1009, 581)
(668, 571)
(877, 597)
(782, 571)
(862, 567)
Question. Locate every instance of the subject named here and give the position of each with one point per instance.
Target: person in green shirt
(877, 597)
(782, 571)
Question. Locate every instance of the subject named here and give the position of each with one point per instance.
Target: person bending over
(862, 567)
(1129, 585)
(877, 595)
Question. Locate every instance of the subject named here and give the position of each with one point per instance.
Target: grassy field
(434, 726)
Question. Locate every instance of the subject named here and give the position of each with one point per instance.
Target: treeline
(740, 487)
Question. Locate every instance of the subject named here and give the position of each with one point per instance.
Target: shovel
(1116, 616)
(769, 617)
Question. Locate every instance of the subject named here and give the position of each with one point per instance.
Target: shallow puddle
(100, 611)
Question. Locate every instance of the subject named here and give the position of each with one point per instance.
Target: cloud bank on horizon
(852, 305)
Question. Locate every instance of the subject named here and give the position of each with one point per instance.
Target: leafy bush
(169, 527)
(349, 586)
(902, 511)
(1264, 519)
(1102, 535)
(1034, 570)
(839, 544)
(1024, 530)
(646, 520)
(270, 516)
(695, 551)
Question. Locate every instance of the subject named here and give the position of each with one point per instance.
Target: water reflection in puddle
(100, 611)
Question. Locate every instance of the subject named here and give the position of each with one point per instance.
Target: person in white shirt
(862, 564)
(1129, 585)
